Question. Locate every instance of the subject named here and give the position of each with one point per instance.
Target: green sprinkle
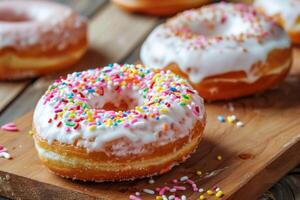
(70, 123)
(182, 104)
(184, 96)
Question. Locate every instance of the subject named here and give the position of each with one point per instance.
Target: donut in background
(39, 37)
(285, 12)
(159, 7)
(225, 50)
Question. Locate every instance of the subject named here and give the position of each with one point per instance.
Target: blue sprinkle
(221, 118)
(173, 89)
(91, 90)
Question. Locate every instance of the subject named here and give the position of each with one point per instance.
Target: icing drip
(289, 10)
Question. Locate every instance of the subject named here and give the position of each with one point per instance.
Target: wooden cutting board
(253, 157)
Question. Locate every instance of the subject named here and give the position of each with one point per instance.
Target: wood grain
(113, 35)
(254, 157)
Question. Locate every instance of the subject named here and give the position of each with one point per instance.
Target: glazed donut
(225, 50)
(39, 37)
(286, 13)
(160, 8)
(117, 123)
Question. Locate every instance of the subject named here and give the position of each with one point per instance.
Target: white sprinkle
(233, 117)
(183, 197)
(173, 190)
(230, 107)
(201, 190)
(184, 178)
(138, 194)
(164, 197)
(148, 191)
(151, 181)
(171, 197)
(218, 189)
(5, 155)
(239, 124)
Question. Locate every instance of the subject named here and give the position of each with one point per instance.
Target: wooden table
(249, 166)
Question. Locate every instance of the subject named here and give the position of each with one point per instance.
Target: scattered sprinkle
(184, 178)
(239, 124)
(209, 192)
(199, 173)
(151, 181)
(221, 118)
(148, 191)
(31, 133)
(219, 194)
(219, 157)
(132, 197)
(201, 190)
(9, 127)
(138, 194)
(202, 197)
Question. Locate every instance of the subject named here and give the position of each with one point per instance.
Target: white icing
(203, 54)
(289, 10)
(144, 131)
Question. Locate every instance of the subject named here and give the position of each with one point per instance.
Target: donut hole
(114, 101)
(213, 26)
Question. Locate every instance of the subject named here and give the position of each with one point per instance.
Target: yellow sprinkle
(139, 109)
(158, 198)
(219, 194)
(219, 157)
(92, 128)
(31, 133)
(159, 89)
(230, 119)
(185, 100)
(109, 122)
(210, 192)
(202, 197)
(199, 173)
(164, 110)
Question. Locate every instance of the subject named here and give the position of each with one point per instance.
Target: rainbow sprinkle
(71, 96)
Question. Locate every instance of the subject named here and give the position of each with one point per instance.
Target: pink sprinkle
(190, 181)
(58, 110)
(134, 120)
(126, 125)
(175, 181)
(9, 127)
(177, 187)
(177, 198)
(163, 190)
(132, 197)
(2, 149)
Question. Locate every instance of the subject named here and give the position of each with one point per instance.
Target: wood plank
(86, 8)
(10, 90)
(112, 38)
(254, 157)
